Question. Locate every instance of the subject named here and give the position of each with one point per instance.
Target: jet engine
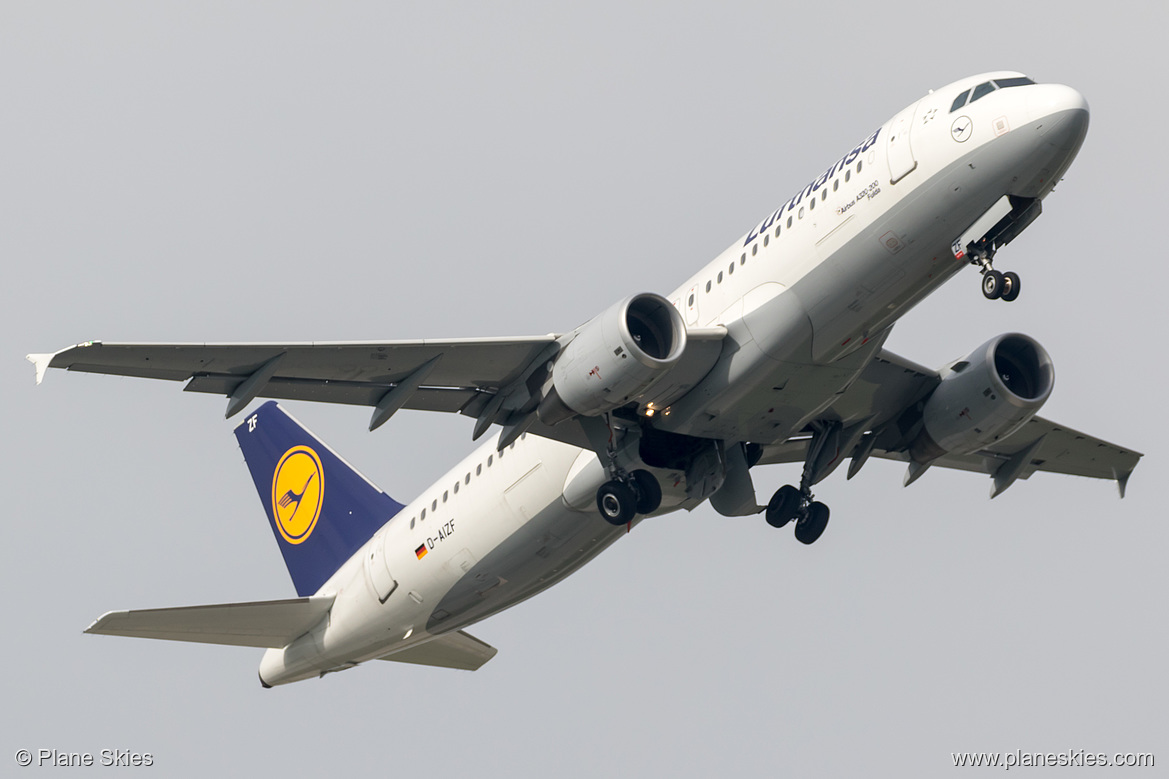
(984, 397)
(614, 358)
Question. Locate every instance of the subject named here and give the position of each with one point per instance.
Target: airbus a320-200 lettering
(771, 353)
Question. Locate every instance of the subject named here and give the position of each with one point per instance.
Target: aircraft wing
(891, 384)
(357, 372)
(273, 623)
(490, 379)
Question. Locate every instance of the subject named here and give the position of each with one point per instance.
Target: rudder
(320, 508)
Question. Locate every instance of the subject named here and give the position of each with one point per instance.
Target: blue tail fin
(321, 509)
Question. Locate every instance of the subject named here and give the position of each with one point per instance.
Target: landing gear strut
(796, 503)
(626, 493)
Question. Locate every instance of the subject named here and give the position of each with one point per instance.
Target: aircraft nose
(1061, 112)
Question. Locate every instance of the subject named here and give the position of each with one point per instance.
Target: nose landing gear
(995, 285)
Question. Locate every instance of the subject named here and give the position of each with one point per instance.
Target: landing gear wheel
(811, 525)
(783, 506)
(616, 502)
(648, 491)
(1011, 286)
(992, 285)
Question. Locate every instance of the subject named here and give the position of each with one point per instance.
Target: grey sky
(294, 171)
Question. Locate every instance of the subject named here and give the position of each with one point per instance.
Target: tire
(1011, 286)
(783, 506)
(811, 525)
(616, 502)
(648, 492)
(992, 285)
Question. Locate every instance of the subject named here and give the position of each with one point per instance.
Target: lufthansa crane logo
(961, 128)
(297, 491)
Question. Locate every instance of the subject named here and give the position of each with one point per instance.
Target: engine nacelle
(614, 358)
(984, 397)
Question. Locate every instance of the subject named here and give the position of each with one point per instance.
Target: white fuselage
(812, 289)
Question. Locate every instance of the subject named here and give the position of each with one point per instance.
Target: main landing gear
(796, 503)
(620, 499)
(790, 503)
(996, 285)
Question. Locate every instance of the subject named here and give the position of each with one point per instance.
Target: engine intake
(984, 397)
(614, 358)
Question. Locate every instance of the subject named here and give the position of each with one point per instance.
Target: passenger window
(836, 185)
(789, 222)
(959, 101)
(456, 488)
(801, 212)
(766, 239)
(860, 164)
(731, 268)
(423, 516)
(824, 194)
(489, 458)
(847, 175)
(777, 231)
(743, 260)
(690, 302)
(434, 505)
(479, 467)
(981, 91)
(412, 523)
(708, 286)
(754, 250)
(811, 204)
(467, 480)
(720, 277)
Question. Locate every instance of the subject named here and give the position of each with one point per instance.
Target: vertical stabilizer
(320, 508)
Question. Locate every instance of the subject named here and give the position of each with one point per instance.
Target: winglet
(41, 363)
(1121, 480)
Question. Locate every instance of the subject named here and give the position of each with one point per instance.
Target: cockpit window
(960, 101)
(981, 91)
(1021, 81)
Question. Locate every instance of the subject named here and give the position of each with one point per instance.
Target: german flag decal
(420, 552)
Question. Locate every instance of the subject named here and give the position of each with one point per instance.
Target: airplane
(773, 352)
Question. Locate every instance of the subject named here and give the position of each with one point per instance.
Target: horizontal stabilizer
(270, 623)
(454, 650)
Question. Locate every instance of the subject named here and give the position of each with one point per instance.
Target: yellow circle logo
(297, 491)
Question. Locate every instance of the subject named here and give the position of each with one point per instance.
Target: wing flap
(458, 650)
(272, 623)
